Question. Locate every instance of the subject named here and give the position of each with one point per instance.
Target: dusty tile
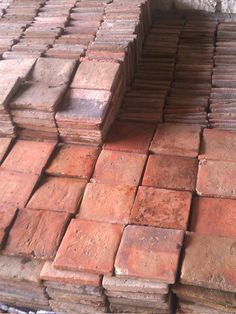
(214, 216)
(36, 233)
(107, 203)
(217, 178)
(16, 188)
(209, 262)
(115, 167)
(89, 246)
(161, 208)
(171, 172)
(130, 137)
(176, 139)
(149, 253)
(7, 215)
(74, 161)
(4, 145)
(17, 67)
(8, 88)
(58, 194)
(28, 156)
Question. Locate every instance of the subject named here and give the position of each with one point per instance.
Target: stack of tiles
(34, 106)
(189, 97)
(91, 104)
(222, 103)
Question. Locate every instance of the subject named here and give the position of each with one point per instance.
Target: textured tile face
(58, 194)
(130, 137)
(119, 168)
(74, 161)
(28, 156)
(8, 88)
(161, 208)
(171, 172)
(89, 246)
(17, 67)
(213, 179)
(15, 188)
(149, 253)
(7, 215)
(36, 233)
(176, 139)
(4, 144)
(107, 203)
(209, 262)
(214, 216)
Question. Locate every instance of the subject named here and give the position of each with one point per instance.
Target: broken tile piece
(4, 145)
(7, 215)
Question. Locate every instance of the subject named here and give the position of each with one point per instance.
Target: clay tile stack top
(4, 146)
(7, 216)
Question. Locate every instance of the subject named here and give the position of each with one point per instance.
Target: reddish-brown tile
(149, 253)
(176, 139)
(130, 137)
(7, 215)
(28, 156)
(161, 208)
(58, 194)
(107, 203)
(171, 172)
(74, 161)
(89, 246)
(4, 145)
(119, 168)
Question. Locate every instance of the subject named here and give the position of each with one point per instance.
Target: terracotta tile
(176, 139)
(89, 246)
(171, 172)
(17, 67)
(4, 145)
(209, 262)
(8, 88)
(28, 156)
(214, 216)
(58, 194)
(217, 178)
(161, 208)
(119, 168)
(16, 188)
(149, 253)
(74, 161)
(7, 215)
(36, 233)
(130, 137)
(218, 145)
(107, 203)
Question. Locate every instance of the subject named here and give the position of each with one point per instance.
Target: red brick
(218, 145)
(171, 172)
(214, 216)
(89, 246)
(130, 137)
(36, 233)
(217, 178)
(74, 161)
(161, 208)
(28, 156)
(107, 203)
(58, 194)
(176, 139)
(16, 188)
(7, 215)
(209, 262)
(119, 168)
(149, 253)
(4, 145)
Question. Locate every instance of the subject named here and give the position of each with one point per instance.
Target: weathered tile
(17, 67)
(8, 88)
(89, 246)
(4, 145)
(7, 215)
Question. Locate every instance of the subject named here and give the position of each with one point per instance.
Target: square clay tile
(130, 137)
(96, 75)
(89, 246)
(16, 188)
(118, 168)
(58, 194)
(36, 233)
(7, 215)
(8, 88)
(218, 145)
(17, 67)
(214, 216)
(176, 139)
(209, 262)
(161, 208)
(4, 146)
(171, 172)
(217, 178)
(107, 203)
(149, 253)
(74, 161)
(28, 156)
